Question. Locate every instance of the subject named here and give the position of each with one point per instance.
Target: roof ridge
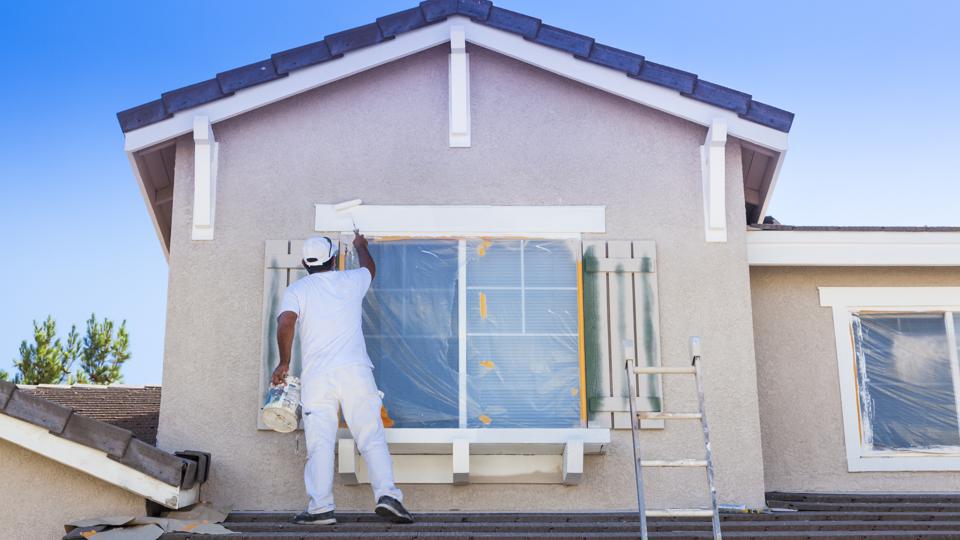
(428, 12)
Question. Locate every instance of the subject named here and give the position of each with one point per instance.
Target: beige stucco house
(479, 140)
(537, 202)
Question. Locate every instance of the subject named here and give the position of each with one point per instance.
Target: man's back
(329, 319)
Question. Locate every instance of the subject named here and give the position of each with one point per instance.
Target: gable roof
(335, 46)
(50, 421)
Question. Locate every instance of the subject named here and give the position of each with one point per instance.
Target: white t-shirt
(329, 308)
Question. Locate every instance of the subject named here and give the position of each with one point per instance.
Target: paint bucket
(281, 410)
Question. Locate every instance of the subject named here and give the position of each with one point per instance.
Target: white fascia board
(94, 462)
(617, 83)
(898, 298)
(555, 61)
(462, 220)
(296, 82)
(852, 248)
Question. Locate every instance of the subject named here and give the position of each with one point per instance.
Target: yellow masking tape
(483, 306)
(482, 248)
(487, 364)
(485, 419)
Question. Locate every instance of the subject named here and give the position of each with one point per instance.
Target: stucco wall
(538, 139)
(40, 495)
(800, 414)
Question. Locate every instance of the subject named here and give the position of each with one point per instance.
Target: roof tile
(679, 80)
(355, 38)
(6, 390)
(475, 9)
(401, 21)
(511, 21)
(769, 116)
(154, 462)
(301, 57)
(142, 115)
(721, 96)
(136, 409)
(437, 10)
(618, 59)
(248, 75)
(193, 95)
(38, 411)
(97, 434)
(429, 11)
(565, 40)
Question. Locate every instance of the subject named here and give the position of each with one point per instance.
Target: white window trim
(846, 301)
(460, 220)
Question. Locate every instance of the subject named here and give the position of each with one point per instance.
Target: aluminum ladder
(694, 369)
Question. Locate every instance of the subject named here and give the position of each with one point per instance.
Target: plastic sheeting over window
(521, 330)
(906, 374)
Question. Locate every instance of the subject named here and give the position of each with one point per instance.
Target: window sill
(905, 462)
(460, 456)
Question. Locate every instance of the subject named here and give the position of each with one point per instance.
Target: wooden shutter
(620, 303)
(281, 267)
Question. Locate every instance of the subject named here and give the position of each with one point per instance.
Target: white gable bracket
(204, 178)
(459, 89)
(713, 163)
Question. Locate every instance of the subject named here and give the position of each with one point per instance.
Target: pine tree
(102, 354)
(47, 360)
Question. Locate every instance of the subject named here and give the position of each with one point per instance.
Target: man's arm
(363, 254)
(286, 326)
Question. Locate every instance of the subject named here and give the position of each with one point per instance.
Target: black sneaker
(390, 508)
(323, 518)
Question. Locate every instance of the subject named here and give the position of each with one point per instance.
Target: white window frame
(847, 301)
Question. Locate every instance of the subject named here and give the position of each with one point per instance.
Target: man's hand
(359, 241)
(280, 374)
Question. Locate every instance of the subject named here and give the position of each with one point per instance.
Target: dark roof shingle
(428, 12)
(133, 408)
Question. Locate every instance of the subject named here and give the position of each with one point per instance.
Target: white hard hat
(319, 249)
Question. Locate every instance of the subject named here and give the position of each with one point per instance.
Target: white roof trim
(559, 62)
(853, 248)
(95, 463)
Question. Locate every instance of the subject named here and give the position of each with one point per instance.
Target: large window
(900, 376)
(476, 333)
(905, 379)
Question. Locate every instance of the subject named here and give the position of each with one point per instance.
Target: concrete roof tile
(193, 95)
(611, 57)
(401, 21)
(248, 75)
(301, 57)
(38, 411)
(565, 40)
(353, 39)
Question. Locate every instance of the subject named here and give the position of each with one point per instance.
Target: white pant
(355, 391)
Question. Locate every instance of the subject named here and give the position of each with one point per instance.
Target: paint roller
(346, 206)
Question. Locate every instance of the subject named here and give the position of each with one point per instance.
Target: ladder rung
(665, 370)
(669, 415)
(680, 512)
(673, 463)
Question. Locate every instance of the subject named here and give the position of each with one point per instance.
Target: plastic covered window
(519, 365)
(907, 377)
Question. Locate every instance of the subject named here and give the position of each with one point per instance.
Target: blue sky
(873, 85)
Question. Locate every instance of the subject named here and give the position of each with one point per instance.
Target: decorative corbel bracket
(459, 89)
(204, 178)
(713, 165)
